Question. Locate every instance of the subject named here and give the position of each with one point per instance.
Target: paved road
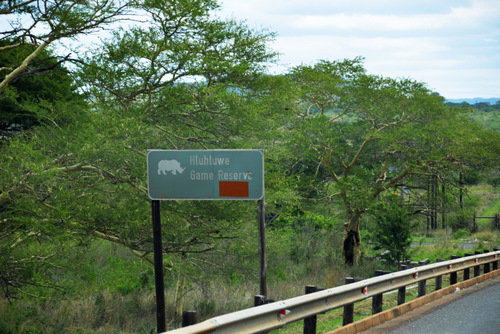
(477, 311)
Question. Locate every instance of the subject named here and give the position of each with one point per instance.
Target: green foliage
(75, 217)
(483, 113)
(392, 230)
(472, 177)
(302, 240)
(34, 99)
(205, 308)
(494, 181)
(442, 250)
(102, 288)
(461, 220)
(35, 27)
(81, 174)
(306, 221)
(376, 132)
(461, 234)
(137, 64)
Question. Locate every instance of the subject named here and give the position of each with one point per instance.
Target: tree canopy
(36, 24)
(368, 134)
(169, 82)
(28, 100)
(176, 77)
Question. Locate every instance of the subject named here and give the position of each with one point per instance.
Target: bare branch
(10, 77)
(358, 154)
(13, 46)
(12, 6)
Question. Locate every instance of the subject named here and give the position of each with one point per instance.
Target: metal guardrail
(264, 318)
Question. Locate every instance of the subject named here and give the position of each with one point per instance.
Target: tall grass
(490, 199)
(107, 309)
(111, 291)
(108, 290)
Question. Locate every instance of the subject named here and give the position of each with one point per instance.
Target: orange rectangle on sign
(233, 189)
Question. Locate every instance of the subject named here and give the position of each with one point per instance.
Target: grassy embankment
(111, 291)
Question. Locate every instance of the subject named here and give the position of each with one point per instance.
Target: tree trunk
(179, 297)
(352, 239)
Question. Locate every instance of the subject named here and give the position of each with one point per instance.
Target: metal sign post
(203, 175)
(158, 264)
(262, 248)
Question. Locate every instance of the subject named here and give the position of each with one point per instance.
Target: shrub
(392, 231)
(461, 234)
(462, 219)
(494, 181)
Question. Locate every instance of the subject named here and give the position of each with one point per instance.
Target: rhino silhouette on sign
(173, 166)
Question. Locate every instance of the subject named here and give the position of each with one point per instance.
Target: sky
(451, 45)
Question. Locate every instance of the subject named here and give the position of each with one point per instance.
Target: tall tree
(36, 24)
(369, 133)
(176, 80)
(178, 42)
(27, 101)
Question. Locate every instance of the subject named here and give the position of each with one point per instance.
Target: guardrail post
(310, 323)
(188, 318)
(422, 285)
(467, 270)
(348, 316)
(495, 263)
(486, 265)
(377, 300)
(402, 290)
(454, 275)
(477, 269)
(439, 279)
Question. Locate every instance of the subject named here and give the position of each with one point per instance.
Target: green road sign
(205, 175)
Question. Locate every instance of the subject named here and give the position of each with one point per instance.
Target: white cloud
(453, 45)
(368, 22)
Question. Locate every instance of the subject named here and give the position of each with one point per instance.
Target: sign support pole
(203, 175)
(262, 247)
(158, 264)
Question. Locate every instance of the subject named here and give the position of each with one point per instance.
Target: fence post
(439, 279)
(486, 265)
(474, 223)
(310, 323)
(377, 300)
(477, 269)
(495, 263)
(467, 270)
(188, 318)
(454, 275)
(402, 290)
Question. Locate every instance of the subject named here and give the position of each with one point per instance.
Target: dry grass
(110, 312)
(101, 313)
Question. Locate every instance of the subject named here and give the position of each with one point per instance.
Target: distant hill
(475, 100)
